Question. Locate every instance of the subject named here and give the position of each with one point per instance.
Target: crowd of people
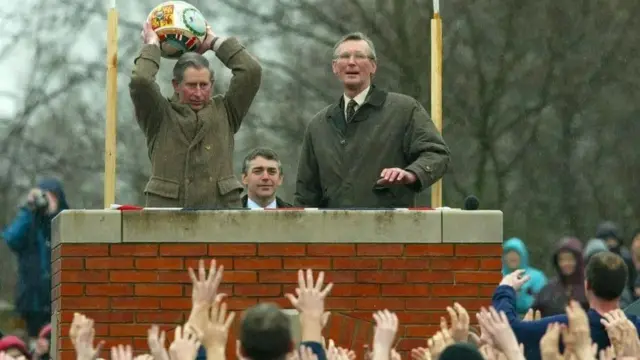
(548, 295)
(603, 331)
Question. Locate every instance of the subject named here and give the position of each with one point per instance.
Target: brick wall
(128, 287)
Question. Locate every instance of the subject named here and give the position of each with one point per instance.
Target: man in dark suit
(262, 176)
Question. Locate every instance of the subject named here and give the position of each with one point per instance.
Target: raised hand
(156, 341)
(185, 345)
(205, 289)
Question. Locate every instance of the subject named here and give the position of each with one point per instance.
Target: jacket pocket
(229, 185)
(163, 187)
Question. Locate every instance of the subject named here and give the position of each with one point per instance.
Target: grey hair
(355, 36)
(261, 152)
(190, 60)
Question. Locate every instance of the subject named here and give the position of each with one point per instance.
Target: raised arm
(247, 75)
(15, 234)
(308, 189)
(148, 102)
(425, 148)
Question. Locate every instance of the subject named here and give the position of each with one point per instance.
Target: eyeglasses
(356, 55)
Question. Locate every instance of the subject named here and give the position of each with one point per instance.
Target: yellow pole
(112, 103)
(436, 88)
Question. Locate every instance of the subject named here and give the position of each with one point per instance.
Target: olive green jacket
(340, 163)
(191, 152)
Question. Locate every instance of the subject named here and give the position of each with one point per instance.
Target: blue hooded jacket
(29, 237)
(526, 295)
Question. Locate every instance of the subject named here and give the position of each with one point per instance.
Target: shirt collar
(253, 205)
(360, 98)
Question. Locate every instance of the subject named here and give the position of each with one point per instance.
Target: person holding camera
(29, 237)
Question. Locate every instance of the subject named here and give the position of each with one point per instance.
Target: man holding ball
(190, 136)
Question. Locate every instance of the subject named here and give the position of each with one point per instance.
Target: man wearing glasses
(190, 136)
(372, 148)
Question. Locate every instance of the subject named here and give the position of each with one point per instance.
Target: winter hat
(12, 341)
(593, 247)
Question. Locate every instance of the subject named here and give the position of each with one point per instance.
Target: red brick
(478, 277)
(101, 316)
(233, 249)
(405, 290)
(176, 277)
(160, 264)
(428, 250)
(474, 305)
(128, 330)
(491, 263)
(379, 304)
(85, 276)
(109, 263)
(307, 263)
(67, 289)
(240, 277)
(429, 276)
(340, 304)
(283, 277)
(401, 264)
(333, 250)
(454, 290)
(171, 317)
(71, 263)
(379, 249)
(184, 250)
(356, 264)
(109, 289)
(67, 355)
(428, 304)
(380, 277)
(355, 290)
(406, 344)
(281, 250)
(222, 289)
(487, 290)
(175, 303)
(257, 263)
(337, 277)
(65, 342)
(193, 262)
(257, 290)
(101, 329)
(421, 331)
(454, 264)
(420, 318)
(84, 250)
(125, 276)
(84, 303)
(478, 249)
(158, 290)
(135, 303)
(137, 250)
(240, 304)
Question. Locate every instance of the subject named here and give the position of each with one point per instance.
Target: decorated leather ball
(180, 26)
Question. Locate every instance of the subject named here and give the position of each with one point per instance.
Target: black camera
(40, 201)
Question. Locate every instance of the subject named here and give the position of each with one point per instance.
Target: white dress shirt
(360, 98)
(252, 205)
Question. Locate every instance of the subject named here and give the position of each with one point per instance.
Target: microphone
(471, 203)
